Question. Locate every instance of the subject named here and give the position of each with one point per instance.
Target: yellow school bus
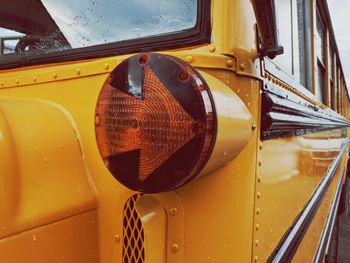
(171, 131)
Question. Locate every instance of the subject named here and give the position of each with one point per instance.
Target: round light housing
(155, 123)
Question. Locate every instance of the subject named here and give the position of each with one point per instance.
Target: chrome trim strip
(328, 229)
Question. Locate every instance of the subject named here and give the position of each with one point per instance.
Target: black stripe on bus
(286, 248)
(286, 114)
(327, 232)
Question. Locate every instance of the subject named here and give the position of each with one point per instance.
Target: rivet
(173, 211)
(258, 195)
(258, 211)
(106, 66)
(1, 84)
(34, 238)
(253, 127)
(212, 48)
(229, 63)
(17, 81)
(260, 146)
(256, 242)
(266, 74)
(260, 163)
(175, 247)
(259, 179)
(257, 226)
(256, 258)
(242, 66)
(78, 71)
(35, 79)
(106, 161)
(54, 75)
(117, 238)
(189, 59)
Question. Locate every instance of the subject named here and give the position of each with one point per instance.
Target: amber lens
(155, 123)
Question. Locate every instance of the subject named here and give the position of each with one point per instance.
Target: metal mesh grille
(133, 234)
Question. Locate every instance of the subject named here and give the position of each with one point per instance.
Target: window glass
(284, 24)
(320, 86)
(331, 62)
(332, 91)
(52, 25)
(299, 40)
(320, 83)
(8, 41)
(291, 25)
(319, 39)
(86, 23)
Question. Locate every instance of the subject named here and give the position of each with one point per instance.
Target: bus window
(284, 21)
(331, 76)
(8, 41)
(320, 57)
(291, 24)
(62, 25)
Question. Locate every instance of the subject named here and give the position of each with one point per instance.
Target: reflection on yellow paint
(290, 170)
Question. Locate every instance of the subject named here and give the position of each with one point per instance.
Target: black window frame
(198, 35)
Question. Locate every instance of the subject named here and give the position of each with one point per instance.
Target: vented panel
(133, 233)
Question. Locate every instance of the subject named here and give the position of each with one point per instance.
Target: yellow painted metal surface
(62, 204)
(308, 247)
(206, 202)
(69, 240)
(44, 178)
(289, 170)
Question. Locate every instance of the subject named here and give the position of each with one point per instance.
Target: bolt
(242, 66)
(117, 238)
(212, 48)
(189, 59)
(173, 211)
(175, 247)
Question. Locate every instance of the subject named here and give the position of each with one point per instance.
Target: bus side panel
(290, 169)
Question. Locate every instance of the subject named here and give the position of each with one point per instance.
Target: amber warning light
(155, 123)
